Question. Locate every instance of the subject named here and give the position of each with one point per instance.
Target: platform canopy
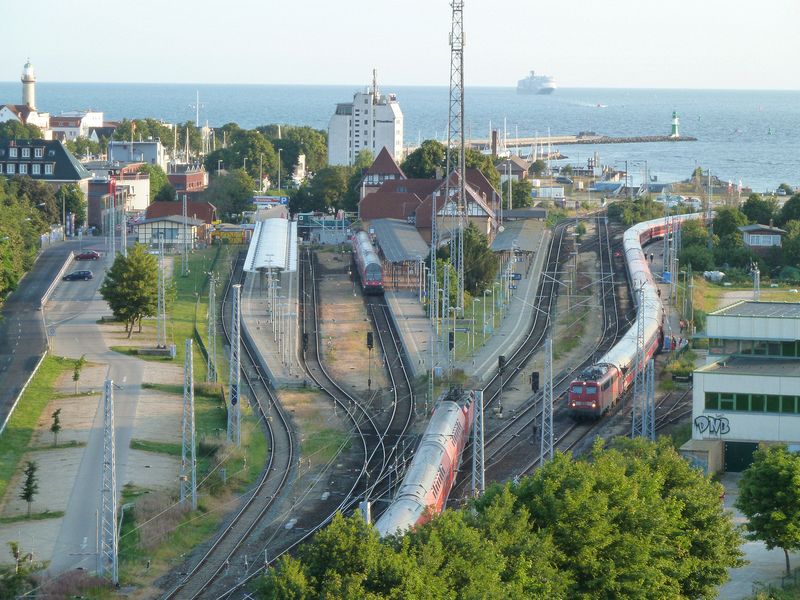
(518, 235)
(273, 246)
(400, 241)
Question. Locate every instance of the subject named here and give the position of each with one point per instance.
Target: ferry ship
(536, 84)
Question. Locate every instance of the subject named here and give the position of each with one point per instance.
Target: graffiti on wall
(714, 425)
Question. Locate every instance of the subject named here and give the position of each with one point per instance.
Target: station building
(748, 393)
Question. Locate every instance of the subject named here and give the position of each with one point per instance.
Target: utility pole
(161, 318)
(546, 445)
(637, 401)
(649, 412)
(756, 282)
(188, 477)
(108, 492)
(234, 410)
(478, 464)
(211, 351)
(185, 241)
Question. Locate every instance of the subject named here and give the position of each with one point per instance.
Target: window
(757, 402)
(606, 385)
(591, 390)
(577, 389)
(788, 404)
(38, 152)
(23, 169)
(26, 153)
(726, 401)
(712, 401)
(12, 153)
(36, 169)
(742, 401)
(48, 169)
(10, 169)
(773, 404)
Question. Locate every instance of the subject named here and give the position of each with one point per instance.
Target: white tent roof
(274, 245)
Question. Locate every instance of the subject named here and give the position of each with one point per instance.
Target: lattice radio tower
(478, 462)
(546, 443)
(188, 477)
(211, 351)
(234, 410)
(184, 241)
(108, 491)
(455, 147)
(637, 401)
(161, 319)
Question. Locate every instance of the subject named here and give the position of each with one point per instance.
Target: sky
(706, 44)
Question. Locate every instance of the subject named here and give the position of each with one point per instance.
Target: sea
(751, 137)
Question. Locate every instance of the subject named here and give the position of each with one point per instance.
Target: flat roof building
(749, 392)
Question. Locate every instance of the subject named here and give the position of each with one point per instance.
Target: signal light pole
(370, 345)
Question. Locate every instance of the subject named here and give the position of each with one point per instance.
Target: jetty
(562, 140)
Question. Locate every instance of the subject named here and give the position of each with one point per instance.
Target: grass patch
(321, 445)
(575, 322)
(159, 447)
(41, 516)
(134, 351)
(70, 444)
(17, 437)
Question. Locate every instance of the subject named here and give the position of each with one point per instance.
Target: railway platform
(514, 326)
(414, 327)
(275, 336)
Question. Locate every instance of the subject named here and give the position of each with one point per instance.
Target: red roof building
(196, 209)
(188, 179)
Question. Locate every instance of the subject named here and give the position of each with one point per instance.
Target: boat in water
(536, 84)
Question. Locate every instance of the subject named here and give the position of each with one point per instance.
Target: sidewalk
(764, 566)
(278, 363)
(415, 329)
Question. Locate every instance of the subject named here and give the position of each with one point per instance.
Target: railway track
(200, 579)
(378, 439)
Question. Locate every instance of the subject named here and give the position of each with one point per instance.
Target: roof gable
(205, 211)
(384, 164)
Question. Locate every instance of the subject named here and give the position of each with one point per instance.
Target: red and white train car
(367, 263)
(601, 385)
(432, 472)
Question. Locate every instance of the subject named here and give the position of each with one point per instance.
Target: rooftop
(400, 241)
(519, 235)
(759, 227)
(748, 308)
(765, 367)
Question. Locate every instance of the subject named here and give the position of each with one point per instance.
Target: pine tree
(55, 428)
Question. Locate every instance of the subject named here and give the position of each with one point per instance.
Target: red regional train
(432, 472)
(600, 386)
(367, 263)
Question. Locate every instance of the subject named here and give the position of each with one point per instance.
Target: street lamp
(484, 313)
(244, 163)
(474, 300)
(279, 167)
(219, 166)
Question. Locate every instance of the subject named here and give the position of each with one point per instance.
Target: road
(73, 312)
(22, 333)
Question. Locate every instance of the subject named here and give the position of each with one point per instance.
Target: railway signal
(370, 345)
(305, 342)
(535, 381)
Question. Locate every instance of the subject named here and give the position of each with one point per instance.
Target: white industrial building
(749, 392)
(125, 152)
(372, 121)
(75, 124)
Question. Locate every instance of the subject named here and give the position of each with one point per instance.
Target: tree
(791, 243)
(73, 202)
(55, 427)
(31, 484)
(728, 221)
(480, 263)
(165, 194)
(231, 193)
(538, 167)
(14, 130)
(131, 287)
(423, 162)
(18, 579)
(791, 210)
(759, 210)
(76, 370)
(484, 163)
(693, 233)
(520, 193)
(158, 182)
(769, 496)
(700, 257)
(786, 188)
(40, 195)
(248, 150)
(84, 147)
(296, 140)
(329, 187)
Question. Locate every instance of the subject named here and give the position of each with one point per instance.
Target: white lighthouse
(28, 86)
(675, 122)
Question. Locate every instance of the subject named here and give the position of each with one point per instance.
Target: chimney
(494, 143)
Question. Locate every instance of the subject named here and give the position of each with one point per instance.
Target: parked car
(563, 179)
(87, 255)
(516, 276)
(85, 275)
